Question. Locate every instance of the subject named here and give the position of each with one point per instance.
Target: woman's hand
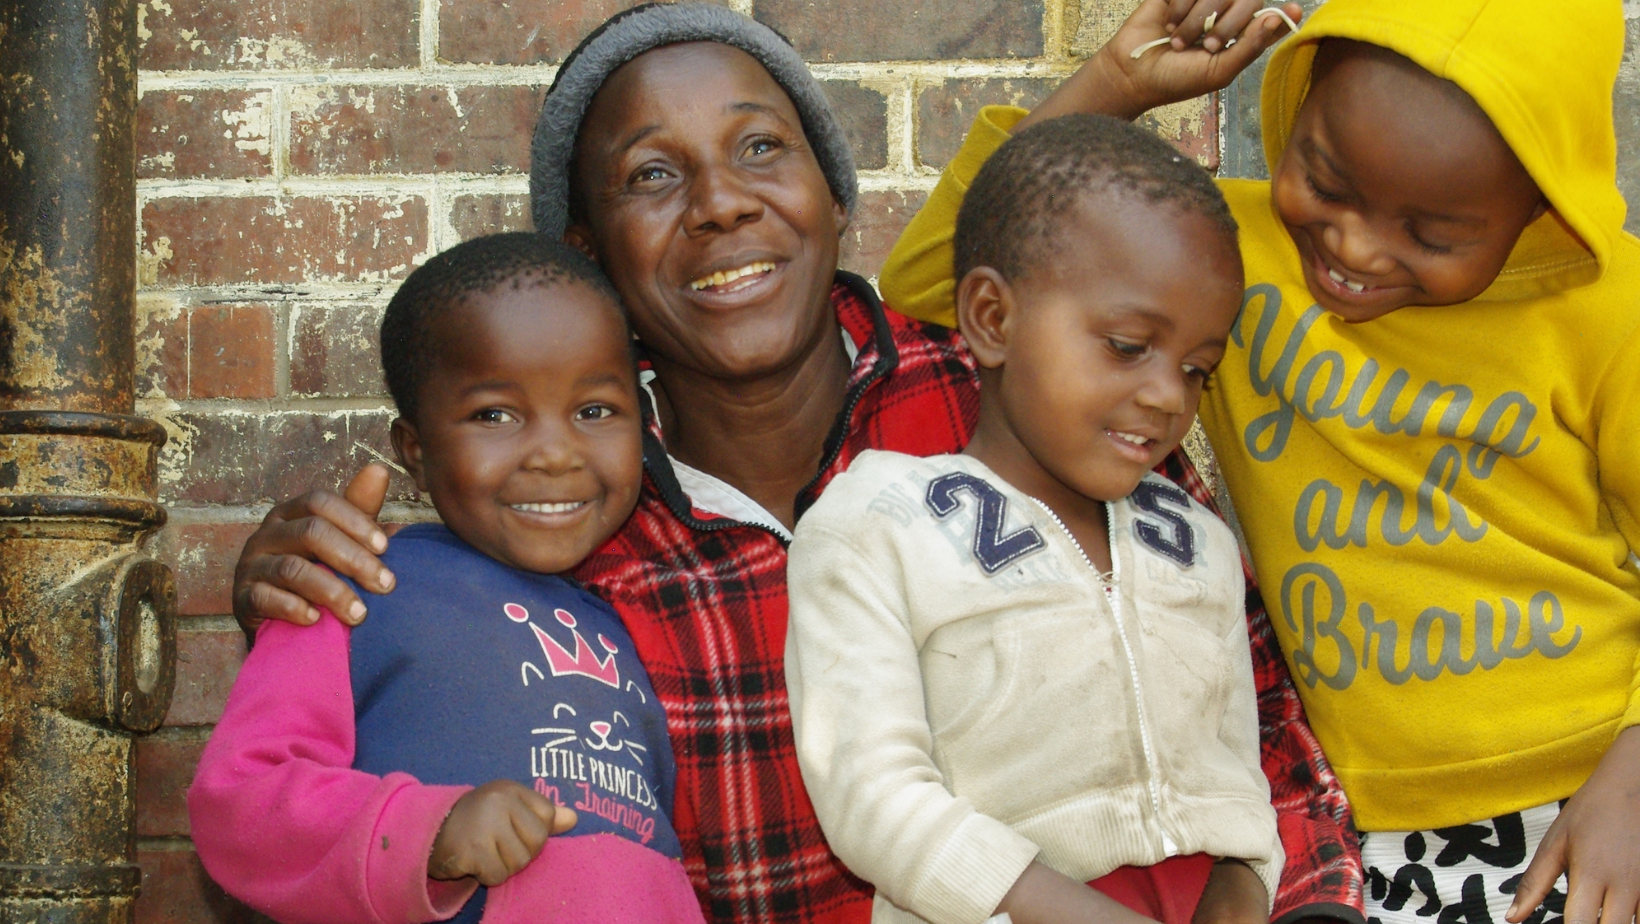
(1234, 895)
(1114, 82)
(1596, 842)
(494, 831)
(277, 577)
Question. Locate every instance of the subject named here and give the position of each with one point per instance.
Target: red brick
(230, 352)
(864, 114)
(1195, 137)
(245, 458)
(520, 31)
(278, 34)
(215, 241)
(187, 134)
(945, 111)
(162, 348)
(878, 220)
(473, 216)
(870, 30)
(202, 556)
(165, 769)
(177, 890)
(368, 130)
(335, 352)
(207, 663)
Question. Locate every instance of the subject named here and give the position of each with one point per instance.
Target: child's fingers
(1203, 16)
(557, 818)
(368, 489)
(1540, 875)
(1260, 34)
(1619, 906)
(1177, 10)
(1583, 901)
(1232, 21)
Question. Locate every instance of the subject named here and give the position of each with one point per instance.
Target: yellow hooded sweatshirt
(1440, 503)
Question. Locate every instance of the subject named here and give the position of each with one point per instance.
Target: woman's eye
(759, 146)
(494, 415)
(595, 412)
(650, 174)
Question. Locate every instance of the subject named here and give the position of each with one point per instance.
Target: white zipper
(1112, 597)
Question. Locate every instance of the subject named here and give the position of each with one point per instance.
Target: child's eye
(1320, 193)
(1127, 350)
(1426, 246)
(595, 412)
(1202, 375)
(494, 415)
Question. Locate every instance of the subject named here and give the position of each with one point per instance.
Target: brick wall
(297, 157)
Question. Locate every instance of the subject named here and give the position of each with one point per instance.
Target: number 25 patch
(1166, 531)
(992, 550)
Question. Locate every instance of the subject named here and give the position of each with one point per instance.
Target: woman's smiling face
(697, 191)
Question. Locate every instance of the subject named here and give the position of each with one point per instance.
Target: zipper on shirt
(1113, 598)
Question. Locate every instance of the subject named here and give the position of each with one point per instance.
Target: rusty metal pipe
(87, 624)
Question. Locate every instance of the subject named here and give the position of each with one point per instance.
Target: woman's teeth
(725, 277)
(566, 507)
(1338, 277)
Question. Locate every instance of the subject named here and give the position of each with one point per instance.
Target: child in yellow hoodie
(1428, 418)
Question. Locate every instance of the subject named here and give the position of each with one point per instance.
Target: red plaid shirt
(705, 600)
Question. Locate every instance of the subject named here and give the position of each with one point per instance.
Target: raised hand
(1185, 48)
(494, 831)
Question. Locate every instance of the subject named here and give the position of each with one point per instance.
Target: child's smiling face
(1396, 187)
(1095, 362)
(528, 431)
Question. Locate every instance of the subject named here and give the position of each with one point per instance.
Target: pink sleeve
(281, 820)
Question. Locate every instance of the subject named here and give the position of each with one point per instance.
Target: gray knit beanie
(628, 34)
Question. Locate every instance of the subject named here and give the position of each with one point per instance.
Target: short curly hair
(470, 268)
(1014, 211)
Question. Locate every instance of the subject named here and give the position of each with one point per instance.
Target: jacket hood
(1544, 73)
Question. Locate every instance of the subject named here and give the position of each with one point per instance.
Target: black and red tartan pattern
(704, 599)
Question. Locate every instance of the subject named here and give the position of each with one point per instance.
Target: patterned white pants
(1465, 874)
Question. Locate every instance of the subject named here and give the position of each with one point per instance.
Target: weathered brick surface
(334, 351)
(519, 31)
(194, 134)
(363, 130)
(871, 30)
(261, 239)
(946, 109)
(864, 114)
(202, 557)
(207, 662)
(162, 347)
(242, 458)
(230, 352)
(176, 890)
(165, 769)
(473, 216)
(277, 34)
(878, 220)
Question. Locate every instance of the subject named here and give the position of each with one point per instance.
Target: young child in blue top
(385, 772)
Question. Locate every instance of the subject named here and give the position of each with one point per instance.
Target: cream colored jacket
(969, 694)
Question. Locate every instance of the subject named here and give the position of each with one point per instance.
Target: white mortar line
(429, 34)
(382, 186)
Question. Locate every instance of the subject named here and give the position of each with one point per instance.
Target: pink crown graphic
(583, 662)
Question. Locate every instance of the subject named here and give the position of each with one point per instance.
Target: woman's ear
(985, 307)
(407, 445)
(840, 214)
(579, 237)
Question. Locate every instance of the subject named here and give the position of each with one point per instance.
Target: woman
(688, 150)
